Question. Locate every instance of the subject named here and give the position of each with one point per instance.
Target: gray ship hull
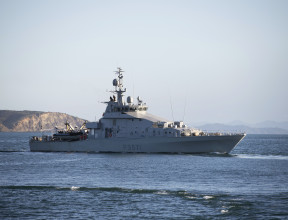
(192, 144)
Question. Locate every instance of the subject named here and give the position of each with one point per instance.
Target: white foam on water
(74, 188)
(223, 211)
(263, 157)
(162, 193)
(208, 197)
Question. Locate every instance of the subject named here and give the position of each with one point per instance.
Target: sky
(197, 61)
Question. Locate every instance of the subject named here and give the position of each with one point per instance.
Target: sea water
(249, 183)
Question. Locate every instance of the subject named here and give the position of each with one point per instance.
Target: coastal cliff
(28, 121)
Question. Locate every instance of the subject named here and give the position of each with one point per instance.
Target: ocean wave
(219, 204)
(178, 193)
(80, 188)
(263, 157)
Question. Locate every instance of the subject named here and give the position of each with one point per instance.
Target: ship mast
(118, 83)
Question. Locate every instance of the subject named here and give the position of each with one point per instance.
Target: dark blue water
(250, 183)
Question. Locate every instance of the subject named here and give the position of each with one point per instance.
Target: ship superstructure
(131, 120)
(128, 127)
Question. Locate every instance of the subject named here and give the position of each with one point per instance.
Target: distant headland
(31, 121)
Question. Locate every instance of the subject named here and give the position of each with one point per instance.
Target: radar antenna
(119, 72)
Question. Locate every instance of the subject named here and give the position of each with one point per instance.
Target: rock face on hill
(26, 121)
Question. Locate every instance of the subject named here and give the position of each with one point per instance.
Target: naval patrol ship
(128, 127)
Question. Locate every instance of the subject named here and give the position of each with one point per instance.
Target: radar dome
(115, 82)
(129, 99)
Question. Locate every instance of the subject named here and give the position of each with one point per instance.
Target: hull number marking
(131, 147)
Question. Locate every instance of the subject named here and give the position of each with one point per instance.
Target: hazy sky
(214, 61)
